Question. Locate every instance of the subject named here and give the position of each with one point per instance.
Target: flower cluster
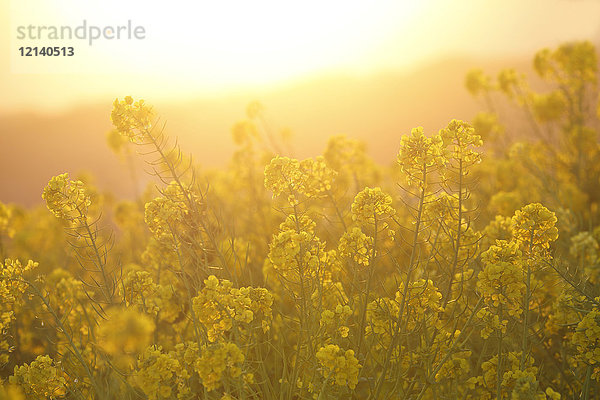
(66, 199)
(165, 215)
(488, 126)
(420, 154)
(509, 81)
(218, 362)
(498, 229)
(307, 177)
(125, 332)
(513, 380)
(12, 287)
(548, 107)
(526, 386)
(569, 62)
(565, 312)
(357, 246)
(138, 288)
(501, 283)
(344, 153)
(534, 225)
(132, 119)
(587, 338)
(461, 140)
(158, 373)
(337, 319)
(477, 82)
(370, 205)
(41, 379)
(294, 253)
(69, 299)
(382, 317)
(422, 301)
(219, 307)
(584, 248)
(339, 366)
(491, 322)
(456, 368)
(5, 217)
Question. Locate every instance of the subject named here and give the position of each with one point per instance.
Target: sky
(212, 48)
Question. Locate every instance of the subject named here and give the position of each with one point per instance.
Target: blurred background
(370, 70)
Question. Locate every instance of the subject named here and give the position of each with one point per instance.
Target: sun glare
(237, 43)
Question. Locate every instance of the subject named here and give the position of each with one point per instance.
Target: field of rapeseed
(469, 269)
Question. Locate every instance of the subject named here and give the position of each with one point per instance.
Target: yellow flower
(132, 119)
(138, 288)
(309, 177)
(526, 386)
(552, 395)
(587, 337)
(569, 63)
(501, 283)
(283, 175)
(294, 253)
(219, 307)
(157, 373)
(66, 199)
(304, 224)
(491, 323)
(12, 287)
(40, 379)
(477, 82)
(339, 365)
(502, 250)
(513, 378)
(419, 155)
(334, 320)
(534, 225)
(165, 215)
(356, 245)
(508, 80)
(125, 332)
(487, 125)
(456, 367)
(343, 331)
(5, 218)
(498, 229)
(370, 204)
(218, 362)
(344, 153)
(380, 316)
(461, 140)
(548, 107)
(422, 301)
(11, 392)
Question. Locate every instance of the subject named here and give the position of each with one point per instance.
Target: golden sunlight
(235, 43)
(319, 199)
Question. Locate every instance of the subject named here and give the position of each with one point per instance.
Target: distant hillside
(377, 109)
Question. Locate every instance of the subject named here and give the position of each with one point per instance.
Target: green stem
(388, 356)
(499, 371)
(526, 307)
(368, 291)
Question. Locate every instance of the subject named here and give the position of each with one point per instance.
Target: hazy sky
(202, 48)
